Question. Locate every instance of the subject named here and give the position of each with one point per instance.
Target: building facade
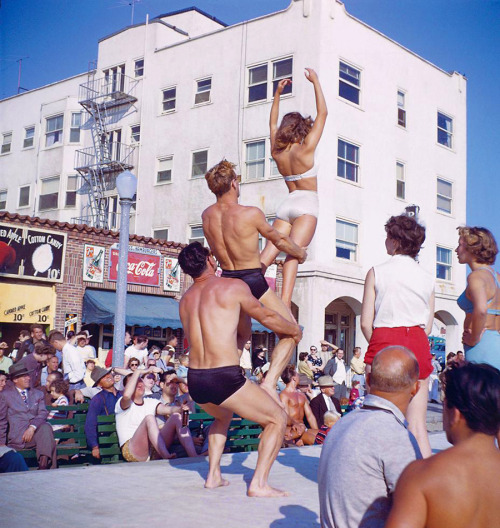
(198, 91)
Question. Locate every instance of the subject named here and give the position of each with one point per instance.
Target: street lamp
(126, 184)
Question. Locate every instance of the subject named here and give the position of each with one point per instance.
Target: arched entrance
(446, 326)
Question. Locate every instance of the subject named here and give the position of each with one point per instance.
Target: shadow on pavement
(295, 515)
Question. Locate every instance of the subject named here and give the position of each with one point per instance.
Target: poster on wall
(93, 263)
(143, 265)
(33, 254)
(171, 275)
(270, 276)
(70, 323)
(27, 304)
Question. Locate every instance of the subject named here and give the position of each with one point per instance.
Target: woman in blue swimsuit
(292, 146)
(481, 299)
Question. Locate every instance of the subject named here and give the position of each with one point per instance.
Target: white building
(395, 136)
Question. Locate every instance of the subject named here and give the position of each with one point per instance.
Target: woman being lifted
(293, 145)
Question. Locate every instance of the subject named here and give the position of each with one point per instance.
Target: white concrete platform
(167, 493)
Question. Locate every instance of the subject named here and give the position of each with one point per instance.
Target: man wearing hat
(83, 345)
(325, 401)
(102, 403)
(23, 413)
(5, 362)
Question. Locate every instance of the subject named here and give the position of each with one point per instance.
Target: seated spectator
(354, 394)
(51, 366)
(315, 362)
(3, 380)
(59, 394)
(303, 366)
(330, 418)
(149, 381)
(23, 418)
(463, 477)
(168, 355)
(137, 428)
(325, 401)
(384, 446)
(73, 364)
(103, 403)
(259, 357)
(182, 370)
(460, 358)
(160, 362)
(133, 364)
(11, 461)
(138, 350)
(83, 345)
(297, 407)
(90, 366)
(5, 361)
(304, 386)
(53, 376)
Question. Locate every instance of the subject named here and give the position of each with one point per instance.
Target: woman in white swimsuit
(292, 146)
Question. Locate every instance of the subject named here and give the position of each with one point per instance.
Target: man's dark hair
(35, 326)
(45, 349)
(57, 374)
(474, 389)
(303, 356)
(288, 374)
(193, 259)
(140, 339)
(56, 336)
(163, 375)
(24, 333)
(3, 373)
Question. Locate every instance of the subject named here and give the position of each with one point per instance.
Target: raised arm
(128, 392)
(312, 139)
(275, 108)
(368, 308)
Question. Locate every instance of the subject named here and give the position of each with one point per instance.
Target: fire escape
(106, 100)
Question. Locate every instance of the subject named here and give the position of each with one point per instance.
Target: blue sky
(60, 38)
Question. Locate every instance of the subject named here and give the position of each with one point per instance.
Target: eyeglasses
(313, 349)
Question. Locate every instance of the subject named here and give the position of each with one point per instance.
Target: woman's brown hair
(480, 242)
(409, 234)
(293, 129)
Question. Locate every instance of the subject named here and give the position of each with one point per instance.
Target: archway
(446, 330)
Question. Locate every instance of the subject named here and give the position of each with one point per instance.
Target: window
(168, 103)
(114, 79)
(400, 180)
(135, 132)
(139, 67)
(164, 172)
(444, 195)
(71, 190)
(443, 263)
(348, 161)
(203, 88)
(255, 160)
(24, 196)
(401, 109)
(200, 164)
(3, 199)
(49, 195)
(161, 233)
(6, 142)
(274, 167)
(445, 130)
(197, 235)
(347, 240)
(258, 77)
(76, 123)
(54, 130)
(263, 241)
(349, 82)
(29, 136)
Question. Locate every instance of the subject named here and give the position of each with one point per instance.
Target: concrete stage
(167, 493)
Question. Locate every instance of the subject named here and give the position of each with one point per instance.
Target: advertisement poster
(70, 322)
(31, 253)
(171, 275)
(93, 263)
(27, 304)
(143, 265)
(270, 276)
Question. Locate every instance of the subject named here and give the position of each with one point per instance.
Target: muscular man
(232, 231)
(210, 312)
(297, 407)
(463, 477)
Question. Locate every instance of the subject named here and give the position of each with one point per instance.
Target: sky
(58, 38)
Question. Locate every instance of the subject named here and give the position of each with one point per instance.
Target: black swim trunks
(253, 277)
(214, 385)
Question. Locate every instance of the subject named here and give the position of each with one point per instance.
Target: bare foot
(170, 456)
(212, 483)
(272, 392)
(266, 491)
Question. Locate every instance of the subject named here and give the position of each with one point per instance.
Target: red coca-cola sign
(143, 268)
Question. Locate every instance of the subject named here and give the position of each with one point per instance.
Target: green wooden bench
(107, 437)
(72, 445)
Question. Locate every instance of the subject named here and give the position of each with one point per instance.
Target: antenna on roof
(19, 87)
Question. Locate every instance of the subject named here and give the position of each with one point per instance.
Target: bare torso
(232, 235)
(294, 160)
(294, 402)
(492, 292)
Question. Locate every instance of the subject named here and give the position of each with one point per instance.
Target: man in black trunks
(210, 312)
(232, 231)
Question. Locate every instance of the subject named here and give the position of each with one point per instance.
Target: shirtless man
(210, 311)
(297, 406)
(457, 487)
(232, 232)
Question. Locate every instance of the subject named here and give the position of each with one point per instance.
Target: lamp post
(126, 184)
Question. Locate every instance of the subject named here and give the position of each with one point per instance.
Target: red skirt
(413, 338)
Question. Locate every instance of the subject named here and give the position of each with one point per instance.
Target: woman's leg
(302, 233)
(417, 418)
(270, 251)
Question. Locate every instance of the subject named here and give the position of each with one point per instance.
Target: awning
(257, 327)
(142, 310)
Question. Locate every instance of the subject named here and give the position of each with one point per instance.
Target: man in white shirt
(84, 347)
(136, 424)
(138, 350)
(246, 359)
(73, 364)
(336, 369)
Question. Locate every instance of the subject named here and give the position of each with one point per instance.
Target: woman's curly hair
(409, 234)
(480, 242)
(293, 129)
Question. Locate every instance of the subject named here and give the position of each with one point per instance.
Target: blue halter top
(467, 305)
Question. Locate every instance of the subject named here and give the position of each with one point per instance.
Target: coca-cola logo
(141, 269)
